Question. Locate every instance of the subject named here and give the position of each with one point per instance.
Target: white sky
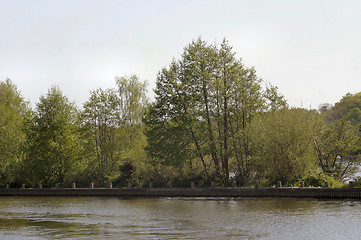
(309, 49)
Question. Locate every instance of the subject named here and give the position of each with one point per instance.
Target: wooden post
(40, 185)
(73, 185)
(193, 185)
(279, 184)
(91, 185)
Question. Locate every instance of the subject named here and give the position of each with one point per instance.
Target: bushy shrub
(318, 179)
(185, 177)
(126, 171)
(357, 182)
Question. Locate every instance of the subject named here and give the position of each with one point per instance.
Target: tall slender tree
(114, 120)
(132, 105)
(101, 117)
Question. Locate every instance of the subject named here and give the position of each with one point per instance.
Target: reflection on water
(177, 218)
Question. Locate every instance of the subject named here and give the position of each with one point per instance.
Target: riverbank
(332, 193)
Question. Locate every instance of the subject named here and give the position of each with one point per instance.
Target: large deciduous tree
(13, 111)
(52, 139)
(208, 99)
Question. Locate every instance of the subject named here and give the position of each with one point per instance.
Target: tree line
(212, 119)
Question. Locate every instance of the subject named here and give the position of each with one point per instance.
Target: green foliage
(338, 146)
(184, 178)
(348, 108)
(126, 170)
(318, 179)
(204, 105)
(52, 139)
(162, 176)
(282, 147)
(158, 175)
(210, 117)
(101, 118)
(112, 128)
(133, 103)
(164, 146)
(274, 101)
(132, 100)
(13, 111)
(357, 182)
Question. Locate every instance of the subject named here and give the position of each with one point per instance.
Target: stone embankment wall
(333, 193)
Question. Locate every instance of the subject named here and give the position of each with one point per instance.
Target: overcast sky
(310, 49)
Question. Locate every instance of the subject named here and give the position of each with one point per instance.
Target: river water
(178, 218)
